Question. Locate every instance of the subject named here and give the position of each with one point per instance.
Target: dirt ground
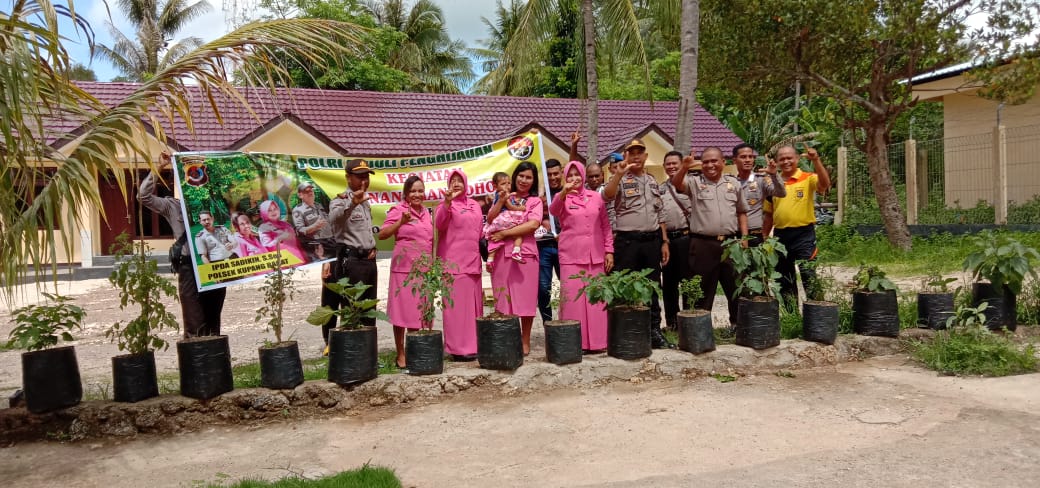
(882, 422)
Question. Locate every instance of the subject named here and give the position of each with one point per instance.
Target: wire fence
(956, 179)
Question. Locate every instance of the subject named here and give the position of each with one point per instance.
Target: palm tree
(617, 18)
(36, 89)
(499, 73)
(156, 26)
(687, 74)
(437, 62)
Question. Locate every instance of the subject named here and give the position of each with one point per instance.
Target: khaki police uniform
(638, 215)
(714, 220)
(200, 311)
(213, 245)
(306, 219)
(351, 227)
(677, 212)
(758, 188)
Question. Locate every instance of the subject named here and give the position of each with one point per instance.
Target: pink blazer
(585, 234)
(458, 228)
(413, 239)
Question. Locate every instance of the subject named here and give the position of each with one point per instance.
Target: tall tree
(156, 25)
(617, 17)
(438, 63)
(491, 54)
(691, 10)
(36, 89)
(862, 54)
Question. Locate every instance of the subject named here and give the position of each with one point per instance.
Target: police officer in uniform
(719, 213)
(214, 242)
(351, 216)
(757, 188)
(676, 221)
(200, 310)
(641, 238)
(312, 224)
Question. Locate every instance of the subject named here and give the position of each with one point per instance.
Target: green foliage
(967, 316)
(278, 289)
(430, 279)
(363, 477)
(907, 309)
(353, 309)
(974, 350)
(935, 282)
(724, 378)
(41, 326)
(1029, 303)
(690, 291)
(790, 323)
(137, 276)
(756, 266)
(1002, 260)
(871, 279)
(625, 288)
(247, 375)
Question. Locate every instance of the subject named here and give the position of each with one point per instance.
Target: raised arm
(824, 182)
(679, 178)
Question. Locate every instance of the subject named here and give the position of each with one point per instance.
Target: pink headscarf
(581, 195)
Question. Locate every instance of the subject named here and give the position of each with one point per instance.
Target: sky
(461, 16)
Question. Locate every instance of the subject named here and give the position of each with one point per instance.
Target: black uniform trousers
(638, 251)
(677, 269)
(201, 310)
(353, 264)
(706, 262)
(801, 246)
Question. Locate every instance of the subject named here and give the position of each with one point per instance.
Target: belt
(675, 234)
(354, 252)
(639, 236)
(546, 243)
(755, 231)
(718, 238)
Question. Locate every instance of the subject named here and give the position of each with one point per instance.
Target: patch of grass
(942, 251)
(1029, 304)
(363, 477)
(908, 311)
(723, 336)
(724, 378)
(785, 374)
(671, 335)
(790, 324)
(975, 351)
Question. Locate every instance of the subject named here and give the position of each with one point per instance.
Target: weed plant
(363, 477)
(975, 351)
(1029, 304)
(907, 312)
(790, 323)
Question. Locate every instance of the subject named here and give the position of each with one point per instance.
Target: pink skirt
(515, 285)
(460, 319)
(593, 318)
(401, 305)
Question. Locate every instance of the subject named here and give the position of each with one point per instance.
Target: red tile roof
(404, 124)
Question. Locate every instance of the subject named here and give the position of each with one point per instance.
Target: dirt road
(883, 422)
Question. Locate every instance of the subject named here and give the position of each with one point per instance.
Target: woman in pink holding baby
(590, 248)
(512, 214)
(410, 224)
(515, 283)
(459, 219)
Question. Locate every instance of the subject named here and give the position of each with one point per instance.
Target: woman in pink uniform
(410, 223)
(276, 233)
(459, 222)
(515, 283)
(590, 248)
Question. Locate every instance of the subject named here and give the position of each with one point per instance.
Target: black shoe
(463, 358)
(658, 341)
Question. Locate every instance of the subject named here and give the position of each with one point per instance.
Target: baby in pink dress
(512, 215)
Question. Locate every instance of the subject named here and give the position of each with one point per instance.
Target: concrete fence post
(843, 183)
(910, 152)
(1000, 205)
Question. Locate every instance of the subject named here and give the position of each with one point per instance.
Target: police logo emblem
(800, 193)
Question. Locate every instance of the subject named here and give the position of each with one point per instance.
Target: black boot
(658, 341)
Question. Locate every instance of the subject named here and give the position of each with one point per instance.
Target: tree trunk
(687, 75)
(592, 90)
(892, 214)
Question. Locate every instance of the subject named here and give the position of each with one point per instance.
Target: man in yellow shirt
(794, 215)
